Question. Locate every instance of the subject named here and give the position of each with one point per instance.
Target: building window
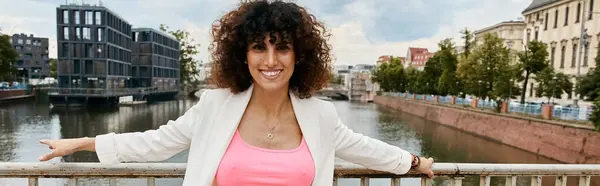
(585, 54)
(536, 35)
(65, 50)
(89, 17)
(100, 31)
(591, 10)
(556, 18)
(574, 56)
(567, 16)
(563, 50)
(77, 33)
(65, 17)
(552, 52)
(86, 33)
(28, 41)
(546, 22)
(98, 18)
(578, 13)
(77, 19)
(528, 37)
(66, 33)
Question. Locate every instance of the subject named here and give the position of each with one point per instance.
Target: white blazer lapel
(225, 124)
(308, 120)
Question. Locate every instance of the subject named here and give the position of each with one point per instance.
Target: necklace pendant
(269, 136)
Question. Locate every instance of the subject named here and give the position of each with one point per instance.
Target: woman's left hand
(425, 166)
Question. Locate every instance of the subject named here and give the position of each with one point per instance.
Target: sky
(362, 30)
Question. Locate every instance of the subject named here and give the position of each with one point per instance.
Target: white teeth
(271, 73)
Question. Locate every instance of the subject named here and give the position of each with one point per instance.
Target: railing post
(561, 181)
(511, 181)
(456, 181)
(584, 181)
(72, 182)
(395, 182)
(151, 181)
(335, 181)
(547, 111)
(536, 181)
(484, 180)
(504, 107)
(364, 181)
(32, 181)
(113, 182)
(452, 100)
(475, 103)
(425, 181)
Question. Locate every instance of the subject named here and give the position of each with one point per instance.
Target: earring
(246, 62)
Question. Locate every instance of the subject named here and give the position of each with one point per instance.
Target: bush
(595, 118)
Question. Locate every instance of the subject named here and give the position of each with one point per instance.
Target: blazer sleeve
(151, 145)
(368, 152)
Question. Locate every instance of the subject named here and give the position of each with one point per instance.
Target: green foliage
(448, 82)
(336, 79)
(532, 60)
(8, 57)
(588, 86)
(53, 72)
(552, 84)
(188, 65)
(468, 42)
(390, 76)
(595, 117)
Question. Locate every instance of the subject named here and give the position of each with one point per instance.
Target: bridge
(110, 97)
(454, 172)
(336, 93)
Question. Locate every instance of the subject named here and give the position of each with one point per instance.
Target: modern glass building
(93, 47)
(155, 59)
(33, 62)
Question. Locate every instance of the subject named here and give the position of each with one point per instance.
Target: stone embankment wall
(564, 143)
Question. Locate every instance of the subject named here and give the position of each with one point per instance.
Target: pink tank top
(248, 165)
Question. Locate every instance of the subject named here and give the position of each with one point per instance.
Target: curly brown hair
(249, 23)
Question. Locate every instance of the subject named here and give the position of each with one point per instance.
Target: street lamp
(554, 84)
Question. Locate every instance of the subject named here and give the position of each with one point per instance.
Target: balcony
(456, 172)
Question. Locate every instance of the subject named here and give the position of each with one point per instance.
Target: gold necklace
(271, 129)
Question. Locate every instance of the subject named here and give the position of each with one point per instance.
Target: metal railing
(531, 109)
(456, 172)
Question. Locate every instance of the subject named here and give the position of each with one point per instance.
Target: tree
(490, 75)
(448, 82)
(53, 72)
(413, 80)
(552, 84)
(595, 117)
(533, 60)
(335, 79)
(429, 77)
(588, 86)
(469, 42)
(188, 65)
(8, 57)
(390, 76)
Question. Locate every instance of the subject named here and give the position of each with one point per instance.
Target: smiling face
(271, 63)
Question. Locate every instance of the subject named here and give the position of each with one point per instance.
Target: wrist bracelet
(416, 161)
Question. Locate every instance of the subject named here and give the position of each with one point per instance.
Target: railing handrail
(177, 170)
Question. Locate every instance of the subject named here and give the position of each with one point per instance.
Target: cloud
(362, 29)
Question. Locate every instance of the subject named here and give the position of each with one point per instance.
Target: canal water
(23, 125)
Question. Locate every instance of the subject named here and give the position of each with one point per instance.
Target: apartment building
(571, 30)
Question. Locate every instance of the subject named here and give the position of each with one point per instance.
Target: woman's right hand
(65, 147)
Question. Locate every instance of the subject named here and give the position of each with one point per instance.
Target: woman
(262, 127)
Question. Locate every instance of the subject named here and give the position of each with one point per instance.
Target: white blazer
(208, 127)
